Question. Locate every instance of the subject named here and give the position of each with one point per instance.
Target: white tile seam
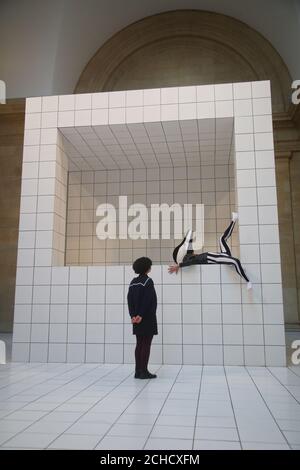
(232, 405)
(61, 403)
(96, 403)
(166, 398)
(267, 406)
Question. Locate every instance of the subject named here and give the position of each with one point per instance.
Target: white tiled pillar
(263, 332)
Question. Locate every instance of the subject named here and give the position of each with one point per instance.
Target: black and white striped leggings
(225, 257)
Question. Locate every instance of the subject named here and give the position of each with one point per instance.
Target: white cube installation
(211, 145)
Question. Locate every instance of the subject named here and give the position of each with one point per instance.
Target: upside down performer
(184, 254)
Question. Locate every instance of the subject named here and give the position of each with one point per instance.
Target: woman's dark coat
(142, 301)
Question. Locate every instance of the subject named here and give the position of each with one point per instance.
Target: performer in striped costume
(184, 255)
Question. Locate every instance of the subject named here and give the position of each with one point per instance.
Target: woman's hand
(136, 319)
(174, 268)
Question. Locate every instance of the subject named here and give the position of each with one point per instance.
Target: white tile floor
(89, 406)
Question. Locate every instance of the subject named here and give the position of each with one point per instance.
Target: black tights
(142, 351)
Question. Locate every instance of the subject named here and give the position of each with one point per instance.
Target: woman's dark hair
(142, 265)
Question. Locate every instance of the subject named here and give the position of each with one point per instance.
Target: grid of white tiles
(42, 223)
(157, 128)
(86, 406)
(76, 314)
(204, 315)
(208, 184)
(147, 149)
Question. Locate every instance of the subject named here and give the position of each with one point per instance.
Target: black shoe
(137, 374)
(147, 375)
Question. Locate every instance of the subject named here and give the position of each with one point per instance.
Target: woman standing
(142, 304)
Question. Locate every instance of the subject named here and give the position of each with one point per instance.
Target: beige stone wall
(287, 153)
(286, 233)
(11, 150)
(295, 199)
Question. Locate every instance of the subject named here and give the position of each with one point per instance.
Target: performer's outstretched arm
(173, 268)
(189, 261)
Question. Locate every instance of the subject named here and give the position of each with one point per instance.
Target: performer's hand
(173, 269)
(133, 319)
(138, 319)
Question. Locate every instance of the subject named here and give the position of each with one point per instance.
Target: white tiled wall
(205, 314)
(82, 316)
(212, 185)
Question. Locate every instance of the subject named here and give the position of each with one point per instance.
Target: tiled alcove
(175, 162)
(206, 315)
